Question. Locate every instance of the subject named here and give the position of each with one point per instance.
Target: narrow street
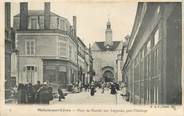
(99, 98)
(50, 53)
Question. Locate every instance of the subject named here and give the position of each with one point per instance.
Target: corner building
(47, 47)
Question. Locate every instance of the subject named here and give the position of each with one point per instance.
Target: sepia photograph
(92, 53)
(49, 61)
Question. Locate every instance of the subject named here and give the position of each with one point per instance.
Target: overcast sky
(92, 17)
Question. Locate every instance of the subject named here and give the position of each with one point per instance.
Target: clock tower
(108, 36)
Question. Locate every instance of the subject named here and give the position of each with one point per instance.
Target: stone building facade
(153, 64)
(105, 55)
(47, 47)
(120, 61)
(85, 62)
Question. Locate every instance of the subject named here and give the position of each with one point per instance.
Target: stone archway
(108, 76)
(108, 73)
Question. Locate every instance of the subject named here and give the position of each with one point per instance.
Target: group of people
(79, 87)
(113, 86)
(110, 85)
(38, 93)
(43, 94)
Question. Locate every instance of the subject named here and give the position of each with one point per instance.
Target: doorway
(108, 76)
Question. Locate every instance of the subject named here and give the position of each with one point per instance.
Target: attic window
(33, 23)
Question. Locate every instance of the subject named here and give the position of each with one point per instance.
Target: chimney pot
(7, 15)
(75, 25)
(23, 15)
(47, 15)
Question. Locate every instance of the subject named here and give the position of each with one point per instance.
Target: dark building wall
(173, 70)
(154, 70)
(142, 67)
(58, 72)
(8, 44)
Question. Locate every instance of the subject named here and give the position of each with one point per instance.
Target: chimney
(7, 15)
(47, 15)
(75, 25)
(23, 15)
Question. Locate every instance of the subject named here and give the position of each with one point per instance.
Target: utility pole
(116, 95)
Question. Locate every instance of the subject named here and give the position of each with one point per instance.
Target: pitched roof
(40, 13)
(36, 12)
(111, 48)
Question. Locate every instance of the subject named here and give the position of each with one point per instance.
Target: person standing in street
(21, 95)
(86, 87)
(113, 88)
(103, 87)
(61, 95)
(45, 94)
(92, 89)
(37, 87)
(30, 92)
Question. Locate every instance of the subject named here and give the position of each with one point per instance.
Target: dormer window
(33, 23)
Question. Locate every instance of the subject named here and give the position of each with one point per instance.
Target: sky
(92, 17)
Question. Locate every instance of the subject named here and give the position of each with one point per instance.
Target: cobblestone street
(99, 98)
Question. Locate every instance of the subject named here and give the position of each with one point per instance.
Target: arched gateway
(105, 56)
(108, 73)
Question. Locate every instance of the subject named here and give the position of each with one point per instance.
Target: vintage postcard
(84, 57)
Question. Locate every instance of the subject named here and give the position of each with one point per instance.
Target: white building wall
(30, 61)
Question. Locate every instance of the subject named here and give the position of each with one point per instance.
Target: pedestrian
(37, 88)
(30, 93)
(86, 87)
(76, 90)
(103, 87)
(45, 94)
(21, 96)
(92, 89)
(127, 96)
(117, 86)
(113, 88)
(61, 95)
